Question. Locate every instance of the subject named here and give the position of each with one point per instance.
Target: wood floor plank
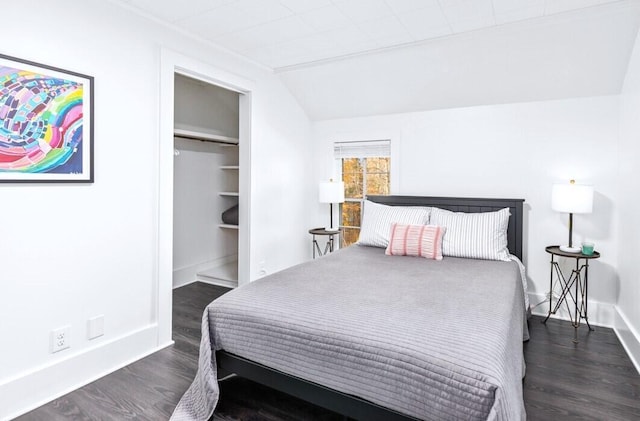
(591, 380)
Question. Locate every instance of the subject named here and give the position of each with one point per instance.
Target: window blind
(362, 149)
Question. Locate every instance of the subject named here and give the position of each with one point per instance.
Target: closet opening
(202, 109)
(206, 183)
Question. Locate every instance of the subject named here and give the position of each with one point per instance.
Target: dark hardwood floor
(591, 380)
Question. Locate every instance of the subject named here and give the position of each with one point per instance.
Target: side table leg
(327, 248)
(576, 324)
(316, 247)
(550, 292)
(585, 297)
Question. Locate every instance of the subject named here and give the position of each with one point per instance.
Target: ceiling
(350, 58)
(579, 54)
(282, 33)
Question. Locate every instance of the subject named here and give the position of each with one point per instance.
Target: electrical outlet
(60, 338)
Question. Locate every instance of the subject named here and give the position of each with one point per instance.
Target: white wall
(281, 176)
(514, 151)
(628, 322)
(74, 251)
(198, 242)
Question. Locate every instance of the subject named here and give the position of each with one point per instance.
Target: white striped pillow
(416, 240)
(474, 235)
(377, 220)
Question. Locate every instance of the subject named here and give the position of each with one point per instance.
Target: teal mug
(587, 248)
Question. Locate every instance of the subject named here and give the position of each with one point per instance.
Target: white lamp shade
(332, 192)
(572, 198)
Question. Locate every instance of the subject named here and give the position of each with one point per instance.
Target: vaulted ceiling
(345, 58)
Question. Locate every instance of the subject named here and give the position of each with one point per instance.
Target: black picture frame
(46, 123)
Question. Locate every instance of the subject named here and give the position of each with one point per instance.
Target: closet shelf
(225, 275)
(229, 193)
(204, 136)
(228, 226)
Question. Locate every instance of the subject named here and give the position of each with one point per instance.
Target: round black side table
(328, 248)
(579, 278)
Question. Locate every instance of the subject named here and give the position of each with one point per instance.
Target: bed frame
(348, 405)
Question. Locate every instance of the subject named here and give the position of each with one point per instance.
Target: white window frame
(360, 150)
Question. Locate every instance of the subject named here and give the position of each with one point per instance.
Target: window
(365, 168)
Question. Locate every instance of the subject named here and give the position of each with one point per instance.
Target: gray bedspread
(436, 340)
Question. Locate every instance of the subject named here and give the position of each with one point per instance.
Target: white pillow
(377, 219)
(473, 235)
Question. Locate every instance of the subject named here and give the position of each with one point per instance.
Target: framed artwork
(46, 123)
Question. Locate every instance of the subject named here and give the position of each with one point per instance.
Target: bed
(377, 337)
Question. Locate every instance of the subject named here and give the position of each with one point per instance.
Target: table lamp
(332, 192)
(571, 198)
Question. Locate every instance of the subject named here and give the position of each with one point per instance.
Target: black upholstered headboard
(468, 205)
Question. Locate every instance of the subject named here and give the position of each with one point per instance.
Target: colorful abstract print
(40, 123)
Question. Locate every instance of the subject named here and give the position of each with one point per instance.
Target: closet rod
(222, 142)
(204, 137)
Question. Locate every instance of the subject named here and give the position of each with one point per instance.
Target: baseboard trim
(628, 336)
(36, 387)
(189, 274)
(219, 282)
(600, 314)
(184, 276)
(184, 283)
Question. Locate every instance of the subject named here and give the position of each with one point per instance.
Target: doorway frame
(171, 63)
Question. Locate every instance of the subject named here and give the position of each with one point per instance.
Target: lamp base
(570, 249)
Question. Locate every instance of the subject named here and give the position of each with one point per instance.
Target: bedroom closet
(206, 183)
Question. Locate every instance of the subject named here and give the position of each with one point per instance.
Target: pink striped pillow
(416, 240)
